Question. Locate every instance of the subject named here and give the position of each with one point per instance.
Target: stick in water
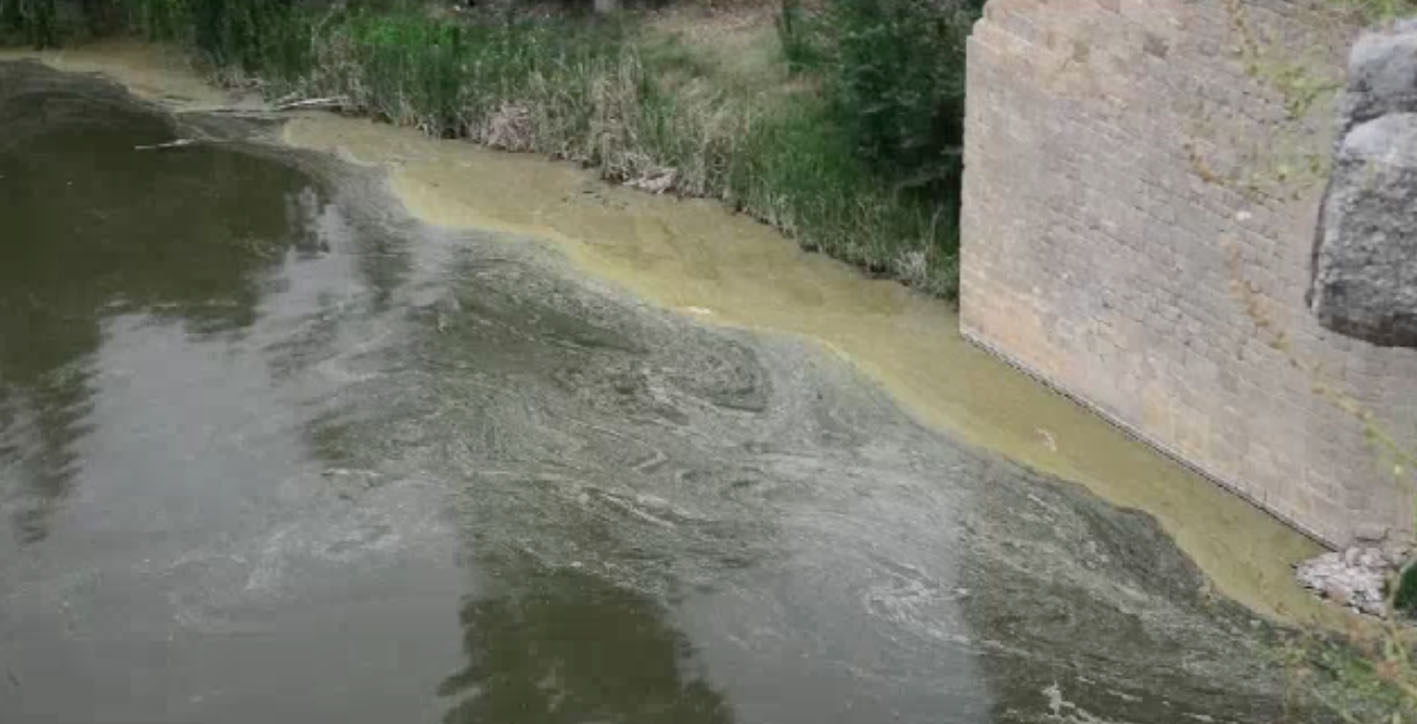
(331, 102)
(179, 143)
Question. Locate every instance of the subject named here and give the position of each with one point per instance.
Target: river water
(274, 447)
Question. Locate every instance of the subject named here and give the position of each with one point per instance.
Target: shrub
(31, 21)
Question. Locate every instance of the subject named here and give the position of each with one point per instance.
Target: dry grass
(739, 46)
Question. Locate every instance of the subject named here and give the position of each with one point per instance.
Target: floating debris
(179, 143)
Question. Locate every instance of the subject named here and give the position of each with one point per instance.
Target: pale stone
(1356, 578)
(1371, 533)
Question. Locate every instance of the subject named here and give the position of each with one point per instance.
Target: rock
(1356, 578)
(1372, 607)
(1371, 533)
(1372, 558)
(1382, 75)
(1365, 260)
(1396, 555)
(1365, 249)
(1338, 594)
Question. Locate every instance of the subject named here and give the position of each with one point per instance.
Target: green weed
(1379, 10)
(863, 168)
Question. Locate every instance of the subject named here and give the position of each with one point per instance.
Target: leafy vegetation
(32, 21)
(861, 161)
(893, 75)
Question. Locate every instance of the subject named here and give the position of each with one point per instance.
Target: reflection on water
(564, 646)
(272, 451)
(96, 228)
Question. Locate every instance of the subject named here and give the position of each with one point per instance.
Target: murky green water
(272, 451)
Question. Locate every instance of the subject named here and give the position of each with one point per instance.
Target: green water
(272, 451)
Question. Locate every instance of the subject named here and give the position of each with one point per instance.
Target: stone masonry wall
(1141, 191)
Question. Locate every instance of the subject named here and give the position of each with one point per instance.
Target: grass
(640, 100)
(1374, 11)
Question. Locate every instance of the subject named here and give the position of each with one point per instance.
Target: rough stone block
(1382, 75)
(1365, 264)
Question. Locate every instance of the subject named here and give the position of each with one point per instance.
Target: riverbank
(693, 256)
(269, 432)
(858, 162)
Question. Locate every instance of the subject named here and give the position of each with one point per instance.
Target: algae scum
(272, 450)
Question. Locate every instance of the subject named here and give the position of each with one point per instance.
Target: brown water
(276, 446)
(693, 257)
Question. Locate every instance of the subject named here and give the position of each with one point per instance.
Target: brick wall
(1141, 188)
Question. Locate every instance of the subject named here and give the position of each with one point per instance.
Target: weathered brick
(1112, 242)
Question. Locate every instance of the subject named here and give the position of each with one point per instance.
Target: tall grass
(32, 21)
(893, 73)
(594, 91)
